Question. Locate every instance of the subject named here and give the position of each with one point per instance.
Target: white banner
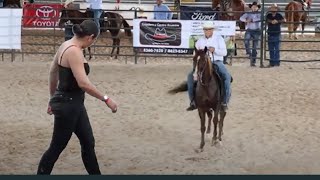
(174, 34)
(10, 28)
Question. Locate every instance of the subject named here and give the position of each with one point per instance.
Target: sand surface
(271, 127)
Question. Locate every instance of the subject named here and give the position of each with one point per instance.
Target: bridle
(206, 62)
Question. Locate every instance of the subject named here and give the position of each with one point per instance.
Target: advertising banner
(10, 28)
(173, 37)
(41, 15)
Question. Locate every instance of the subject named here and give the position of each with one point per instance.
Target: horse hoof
(198, 150)
(214, 141)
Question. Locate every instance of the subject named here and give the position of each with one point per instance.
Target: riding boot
(192, 106)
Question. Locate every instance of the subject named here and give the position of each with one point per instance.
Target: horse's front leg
(84, 52)
(202, 116)
(209, 113)
(215, 123)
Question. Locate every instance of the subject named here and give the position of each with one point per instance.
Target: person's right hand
(112, 105)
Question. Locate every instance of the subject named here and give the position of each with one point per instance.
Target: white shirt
(215, 41)
(95, 4)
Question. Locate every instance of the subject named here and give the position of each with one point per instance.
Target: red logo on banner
(40, 15)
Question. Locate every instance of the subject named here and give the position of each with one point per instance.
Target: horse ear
(205, 49)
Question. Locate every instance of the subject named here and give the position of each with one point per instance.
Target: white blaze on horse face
(195, 76)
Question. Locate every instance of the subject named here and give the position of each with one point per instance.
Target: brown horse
(295, 15)
(110, 21)
(208, 96)
(230, 10)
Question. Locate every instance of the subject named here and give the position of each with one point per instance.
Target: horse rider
(96, 7)
(217, 49)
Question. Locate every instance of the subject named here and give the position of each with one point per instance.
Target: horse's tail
(180, 88)
(127, 27)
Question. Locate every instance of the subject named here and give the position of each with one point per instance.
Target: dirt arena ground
(271, 128)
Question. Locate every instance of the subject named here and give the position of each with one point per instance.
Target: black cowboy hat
(255, 4)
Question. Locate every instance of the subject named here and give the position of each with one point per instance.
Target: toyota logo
(45, 12)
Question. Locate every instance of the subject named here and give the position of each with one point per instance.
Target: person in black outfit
(274, 20)
(70, 69)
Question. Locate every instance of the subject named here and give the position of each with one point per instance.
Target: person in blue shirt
(165, 15)
(274, 20)
(253, 26)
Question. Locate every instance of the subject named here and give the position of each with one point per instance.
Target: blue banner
(197, 13)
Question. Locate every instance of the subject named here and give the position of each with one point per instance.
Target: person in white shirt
(217, 46)
(96, 7)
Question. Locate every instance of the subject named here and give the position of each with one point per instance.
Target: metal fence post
(12, 55)
(135, 51)
(262, 20)
(265, 40)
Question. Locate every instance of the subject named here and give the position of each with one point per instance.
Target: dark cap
(86, 28)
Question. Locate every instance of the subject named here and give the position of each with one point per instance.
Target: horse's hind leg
(209, 113)
(118, 47)
(302, 28)
(215, 123)
(90, 55)
(113, 45)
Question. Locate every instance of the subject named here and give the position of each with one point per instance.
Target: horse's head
(202, 61)
(63, 17)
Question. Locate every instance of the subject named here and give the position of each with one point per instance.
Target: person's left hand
(49, 110)
(211, 49)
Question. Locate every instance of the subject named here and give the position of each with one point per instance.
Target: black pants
(70, 116)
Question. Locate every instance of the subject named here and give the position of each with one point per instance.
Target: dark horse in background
(110, 21)
(12, 4)
(231, 10)
(296, 14)
(208, 96)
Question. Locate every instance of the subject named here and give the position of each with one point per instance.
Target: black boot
(192, 106)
